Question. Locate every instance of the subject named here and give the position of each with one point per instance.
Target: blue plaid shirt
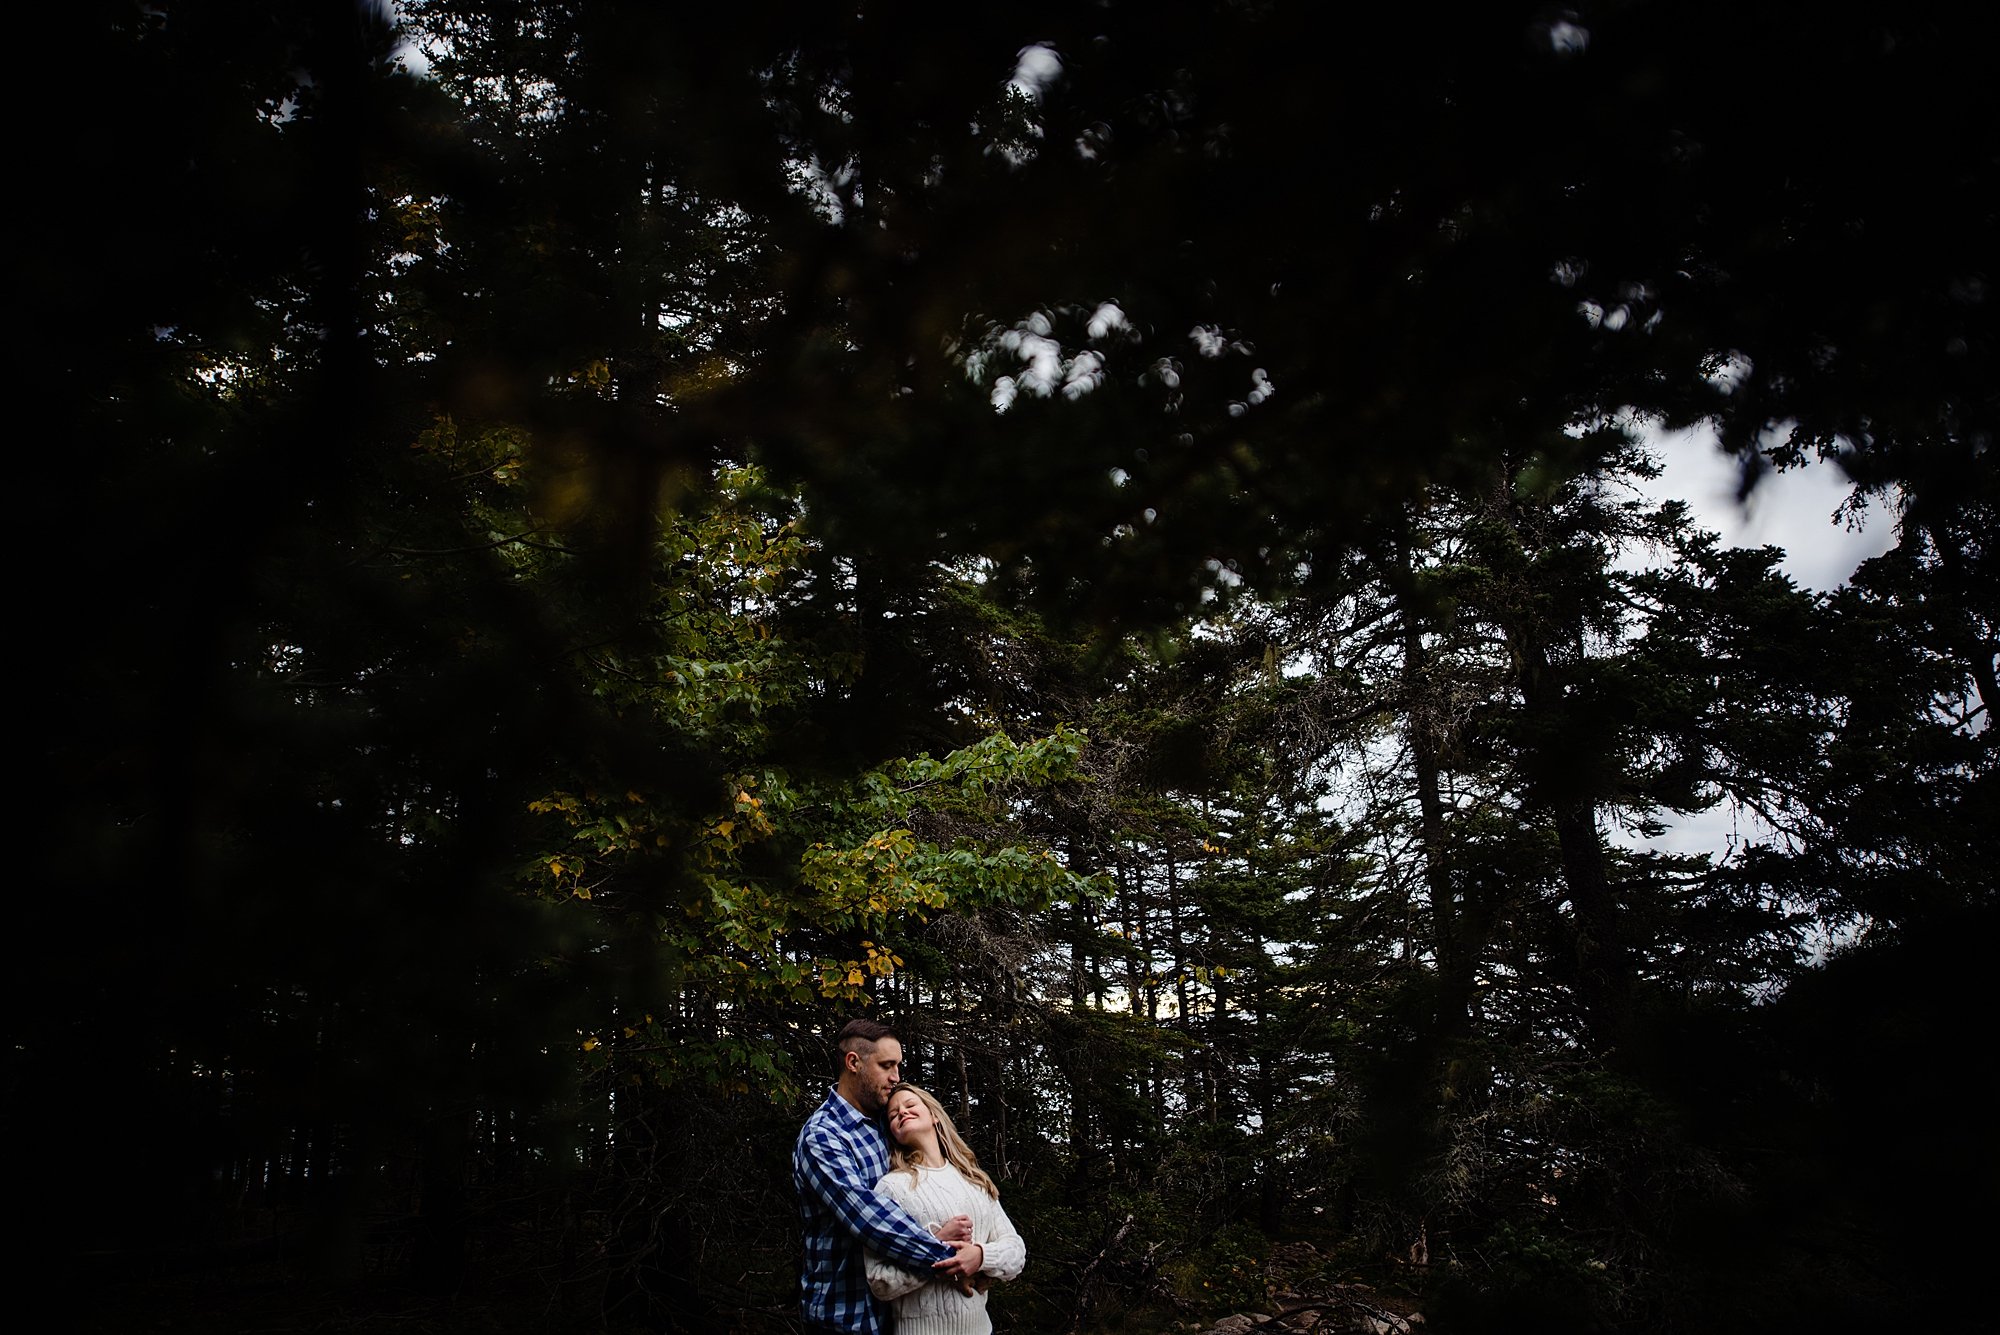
(839, 1158)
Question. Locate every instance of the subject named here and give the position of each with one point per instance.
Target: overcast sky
(1792, 510)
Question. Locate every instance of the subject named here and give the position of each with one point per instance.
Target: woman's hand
(958, 1228)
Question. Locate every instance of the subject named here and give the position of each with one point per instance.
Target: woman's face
(910, 1122)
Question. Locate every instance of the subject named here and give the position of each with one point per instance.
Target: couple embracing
(897, 1215)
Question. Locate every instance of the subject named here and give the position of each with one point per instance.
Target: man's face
(879, 1067)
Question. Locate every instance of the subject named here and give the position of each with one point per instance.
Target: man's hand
(964, 1263)
(958, 1228)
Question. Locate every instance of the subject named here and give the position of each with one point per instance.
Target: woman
(934, 1175)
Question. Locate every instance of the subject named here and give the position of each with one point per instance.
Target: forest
(581, 543)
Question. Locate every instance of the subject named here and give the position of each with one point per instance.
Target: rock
(1239, 1323)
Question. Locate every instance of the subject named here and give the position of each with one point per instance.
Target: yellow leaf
(723, 827)
(590, 1044)
(854, 978)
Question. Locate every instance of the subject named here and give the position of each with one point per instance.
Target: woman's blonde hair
(956, 1152)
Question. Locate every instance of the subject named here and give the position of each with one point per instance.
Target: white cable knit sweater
(932, 1306)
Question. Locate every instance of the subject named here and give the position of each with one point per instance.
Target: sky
(1792, 510)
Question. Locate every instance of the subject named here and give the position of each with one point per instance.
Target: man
(841, 1154)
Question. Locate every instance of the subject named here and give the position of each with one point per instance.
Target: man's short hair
(856, 1033)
